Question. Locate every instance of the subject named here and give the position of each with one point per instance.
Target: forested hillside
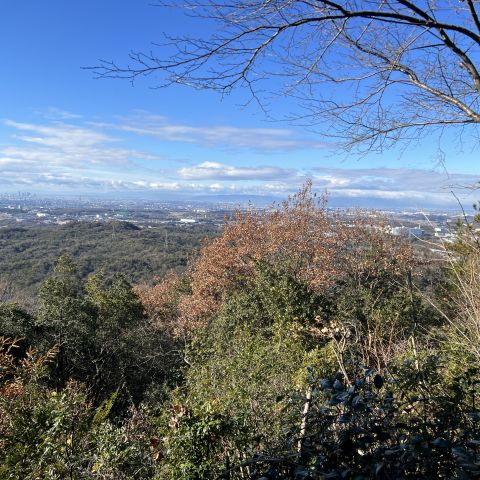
(295, 346)
(29, 253)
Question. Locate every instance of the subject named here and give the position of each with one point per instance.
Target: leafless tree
(370, 72)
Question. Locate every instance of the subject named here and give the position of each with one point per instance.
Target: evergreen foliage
(317, 354)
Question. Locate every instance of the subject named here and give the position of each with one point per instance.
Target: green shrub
(48, 434)
(409, 425)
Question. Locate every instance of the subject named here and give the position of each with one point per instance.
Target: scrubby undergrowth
(299, 344)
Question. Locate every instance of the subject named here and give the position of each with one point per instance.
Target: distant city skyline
(63, 132)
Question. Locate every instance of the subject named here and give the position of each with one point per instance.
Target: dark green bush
(409, 424)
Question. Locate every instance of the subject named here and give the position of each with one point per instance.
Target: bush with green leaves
(17, 324)
(241, 370)
(409, 424)
(103, 336)
(66, 319)
(49, 434)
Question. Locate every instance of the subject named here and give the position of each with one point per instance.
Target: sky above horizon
(64, 132)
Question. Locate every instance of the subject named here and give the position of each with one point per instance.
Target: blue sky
(64, 132)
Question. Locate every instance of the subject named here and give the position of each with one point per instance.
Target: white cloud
(58, 156)
(54, 113)
(261, 139)
(392, 180)
(65, 145)
(220, 171)
(414, 187)
(59, 134)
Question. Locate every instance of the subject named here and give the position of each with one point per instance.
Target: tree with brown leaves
(301, 237)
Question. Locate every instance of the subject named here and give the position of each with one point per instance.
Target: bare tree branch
(370, 72)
